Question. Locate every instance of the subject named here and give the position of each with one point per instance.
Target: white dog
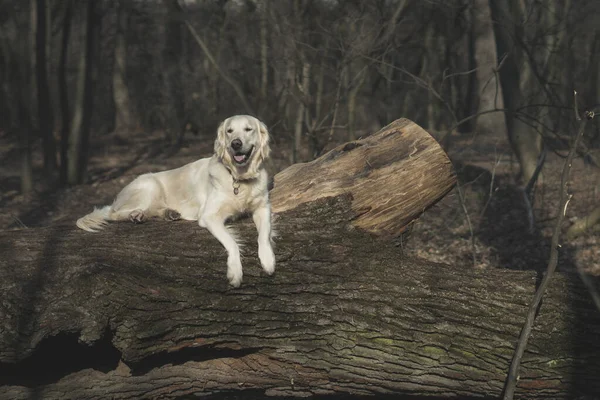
(211, 190)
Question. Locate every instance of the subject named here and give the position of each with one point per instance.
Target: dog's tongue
(239, 158)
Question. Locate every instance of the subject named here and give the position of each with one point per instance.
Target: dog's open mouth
(241, 158)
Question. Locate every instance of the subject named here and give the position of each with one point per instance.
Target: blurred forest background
(88, 86)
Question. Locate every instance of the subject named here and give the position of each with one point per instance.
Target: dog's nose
(236, 144)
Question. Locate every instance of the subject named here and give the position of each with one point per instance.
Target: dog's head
(243, 144)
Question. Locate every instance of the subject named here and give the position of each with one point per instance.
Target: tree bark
(344, 314)
(401, 163)
(146, 312)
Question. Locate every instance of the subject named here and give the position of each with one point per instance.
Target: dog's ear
(265, 149)
(220, 142)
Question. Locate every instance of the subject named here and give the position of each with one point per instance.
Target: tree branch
(565, 197)
(235, 86)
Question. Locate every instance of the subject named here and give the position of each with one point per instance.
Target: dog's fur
(205, 191)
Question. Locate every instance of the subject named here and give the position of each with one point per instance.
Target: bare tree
(16, 52)
(25, 113)
(8, 118)
(359, 72)
(45, 112)
(594, 69)
(489, 89)
(82, 107)
(301, 78)
(171, 61)
(124, 119)
(233, 83)
(263, 7)
(521, 82)
(63, 90)
(303, 91)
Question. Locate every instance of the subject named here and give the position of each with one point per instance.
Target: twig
(234, 85)
(497, 76)
(519, 113)
(587, 281)
(467, 119)
(538, 168)
(529, 189)
(584, 224)
(335, 111)
(464, 207)
(18, 221)
(487, 203)
(420, 82)
(513, 373)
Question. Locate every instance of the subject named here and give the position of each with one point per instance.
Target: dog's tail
(95, 220)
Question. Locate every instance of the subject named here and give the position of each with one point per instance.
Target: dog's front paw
(234, 272)
(267, 259)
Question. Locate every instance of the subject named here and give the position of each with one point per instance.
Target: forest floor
(502, 237)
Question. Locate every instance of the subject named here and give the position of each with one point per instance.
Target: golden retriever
(211, 190)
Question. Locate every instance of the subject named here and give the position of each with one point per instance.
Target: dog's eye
(229, 130)
(248, 129)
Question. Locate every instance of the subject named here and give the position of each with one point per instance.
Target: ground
(500, 222)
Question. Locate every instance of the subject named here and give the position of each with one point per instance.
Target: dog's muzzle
(240, 157)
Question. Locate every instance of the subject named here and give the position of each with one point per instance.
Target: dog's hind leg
(171, 215)
(141, 199)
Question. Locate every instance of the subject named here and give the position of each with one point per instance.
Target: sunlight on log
(393, 176)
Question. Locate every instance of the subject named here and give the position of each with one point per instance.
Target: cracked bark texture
(393, 176)
(145, 311)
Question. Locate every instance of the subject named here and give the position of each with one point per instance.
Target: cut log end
(393, 176)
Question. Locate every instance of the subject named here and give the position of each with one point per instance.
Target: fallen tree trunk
(146, 312)
(393, 177)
